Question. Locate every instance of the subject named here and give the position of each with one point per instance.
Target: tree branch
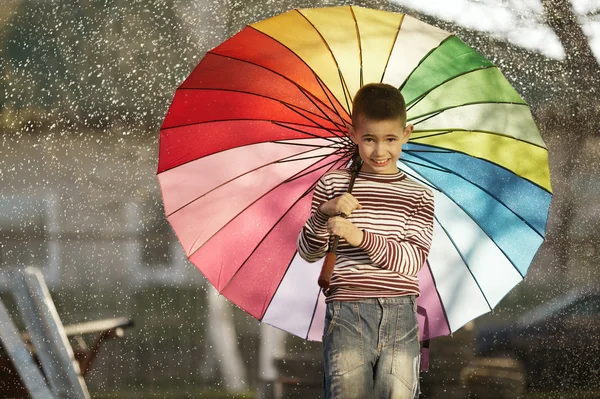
(580, 59)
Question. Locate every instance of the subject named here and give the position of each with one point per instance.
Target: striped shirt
(397, 223)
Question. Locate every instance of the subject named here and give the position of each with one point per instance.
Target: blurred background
(85, 85)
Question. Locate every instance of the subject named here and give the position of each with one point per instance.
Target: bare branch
(593, 14)
(579, 56)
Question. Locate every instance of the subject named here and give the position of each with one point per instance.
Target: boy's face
(380, 143)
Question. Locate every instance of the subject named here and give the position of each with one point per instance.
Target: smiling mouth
(380, 162)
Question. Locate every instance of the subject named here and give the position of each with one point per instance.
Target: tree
(580, 62)
(91, 62)
(575, 116)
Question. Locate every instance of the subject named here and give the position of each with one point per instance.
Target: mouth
(381, 162)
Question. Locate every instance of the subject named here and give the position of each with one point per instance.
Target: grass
(173, 394)
(203, 393)
(562, 395)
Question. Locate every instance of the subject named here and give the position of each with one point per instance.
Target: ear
(351, 132)
(407, 132)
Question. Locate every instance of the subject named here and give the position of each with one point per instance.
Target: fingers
(338, 226)
(329, 207)
(345, 229)
(333, 226)
(343, 204)
(347, 204)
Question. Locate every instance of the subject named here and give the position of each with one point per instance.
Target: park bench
(48, 360)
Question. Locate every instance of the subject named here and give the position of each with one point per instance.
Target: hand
(343, 204)
(345, 229)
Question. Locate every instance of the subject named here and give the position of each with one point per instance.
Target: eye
(392, 139)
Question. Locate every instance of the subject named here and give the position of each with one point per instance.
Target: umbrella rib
(333, 144)
(290, 263)
(319, 108)
(418, 99)
(482, 159)
(439, 111)
(485, 232)
(433, 115)
(306, 171)
(464, 261)
(423, 60)
(266, 303)
(266, 235)
(360, 52)
(392, 49)
(425, 166)
(314, 312)
(485, 191)
(432, 151)
(322, 85)
(301, 159)
(425, 182)
(342, 80)
(301, 145)
(310, 134)
(438, 133)
(238, 176)
(284, 103)
(292, 108)
(304, 91)
(240, 120)
(437, 292)
(333, 107)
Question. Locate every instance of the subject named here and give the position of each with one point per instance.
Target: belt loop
(336, 305)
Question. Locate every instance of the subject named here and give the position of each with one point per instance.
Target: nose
(378, 150)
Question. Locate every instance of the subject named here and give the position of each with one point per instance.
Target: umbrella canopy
(262, 118)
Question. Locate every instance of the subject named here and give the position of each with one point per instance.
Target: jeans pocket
(343, 342)
(329, 321)
(407, 350)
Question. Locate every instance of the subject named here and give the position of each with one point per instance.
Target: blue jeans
(371, 349)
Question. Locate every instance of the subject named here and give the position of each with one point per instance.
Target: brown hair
(377, 102)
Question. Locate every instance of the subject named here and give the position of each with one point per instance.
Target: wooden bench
(42, 362)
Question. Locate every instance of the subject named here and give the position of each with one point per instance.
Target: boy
(371, 336)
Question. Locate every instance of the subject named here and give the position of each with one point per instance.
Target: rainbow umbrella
(262, 118)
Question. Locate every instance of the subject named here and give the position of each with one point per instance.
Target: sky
(519, 22)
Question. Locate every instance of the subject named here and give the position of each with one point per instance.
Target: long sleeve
(313, 240)
(405, 256)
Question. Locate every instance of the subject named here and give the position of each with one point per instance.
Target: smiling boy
(371, 336)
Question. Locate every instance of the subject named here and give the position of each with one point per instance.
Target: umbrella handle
(329, 263)
(327, 270)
